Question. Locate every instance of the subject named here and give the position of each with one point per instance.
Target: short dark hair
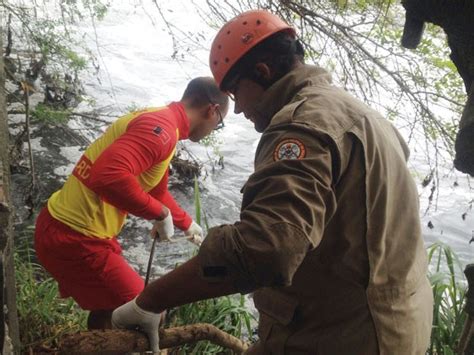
(279, 51)
(202, 91)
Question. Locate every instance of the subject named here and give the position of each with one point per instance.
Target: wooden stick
(26, 89)
(116, 341)
(465, 341)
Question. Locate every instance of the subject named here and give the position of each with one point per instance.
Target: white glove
(131, 316)
(164, 228)
(194, 229)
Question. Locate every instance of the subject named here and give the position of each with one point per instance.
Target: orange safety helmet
(241, 34)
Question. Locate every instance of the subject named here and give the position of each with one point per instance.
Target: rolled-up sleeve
(286, 205)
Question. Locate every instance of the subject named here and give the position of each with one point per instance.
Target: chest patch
(289, 149)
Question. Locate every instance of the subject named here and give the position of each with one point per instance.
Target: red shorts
(90, 270)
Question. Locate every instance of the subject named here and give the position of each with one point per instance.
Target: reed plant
(448, 292)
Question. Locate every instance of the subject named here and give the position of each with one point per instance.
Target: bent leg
(100, 319)
(90, 270)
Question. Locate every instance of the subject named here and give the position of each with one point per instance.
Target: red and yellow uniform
(123, 171)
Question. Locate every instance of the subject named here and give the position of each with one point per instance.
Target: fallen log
(118, 341)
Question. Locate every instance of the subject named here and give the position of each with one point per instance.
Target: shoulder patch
(289, 149)
(160, 132)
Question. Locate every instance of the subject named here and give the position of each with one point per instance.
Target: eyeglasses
(233, 86)
(220, 124)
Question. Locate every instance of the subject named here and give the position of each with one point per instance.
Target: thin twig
(26, 90)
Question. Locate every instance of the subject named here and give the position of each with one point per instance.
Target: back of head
(252, 37)
(202, 91)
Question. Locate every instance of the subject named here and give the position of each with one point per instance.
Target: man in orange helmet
(329, 237)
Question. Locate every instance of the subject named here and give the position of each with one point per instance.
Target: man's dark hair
(202, 91)
(279, 51)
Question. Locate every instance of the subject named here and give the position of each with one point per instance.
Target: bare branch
(126, 341)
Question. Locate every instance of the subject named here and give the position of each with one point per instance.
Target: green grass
(227, 313)
(448, 292)
(45, 113)
(43, 316)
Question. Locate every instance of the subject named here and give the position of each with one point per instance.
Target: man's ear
(208, 110)
(263, 71)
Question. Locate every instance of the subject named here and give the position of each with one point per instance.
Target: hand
(131, 316)
(194, 229)
(164, 228)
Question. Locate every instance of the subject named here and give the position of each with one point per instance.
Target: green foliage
(75, 9)
(43, 316)
(361, 4)
(448, 293)
(45, 113)
(213, 141)
(46, 32)
(53, 47)
(226, 313)
(77, 61)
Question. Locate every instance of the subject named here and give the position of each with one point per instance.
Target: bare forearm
(181, 286)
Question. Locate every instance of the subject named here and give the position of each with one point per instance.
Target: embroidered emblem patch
(164, 136)
(289, 149)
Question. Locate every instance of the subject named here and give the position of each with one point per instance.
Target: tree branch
(126, 341)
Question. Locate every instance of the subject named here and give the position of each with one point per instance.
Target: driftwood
(115, 341)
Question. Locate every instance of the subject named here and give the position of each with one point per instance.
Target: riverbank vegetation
(449, 291)
(44, 317)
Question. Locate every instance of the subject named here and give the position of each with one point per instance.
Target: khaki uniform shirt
(329, 235)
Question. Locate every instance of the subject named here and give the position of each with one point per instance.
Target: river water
(134, 51)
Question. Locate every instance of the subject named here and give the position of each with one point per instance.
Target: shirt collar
(182, 119)
(284, 90)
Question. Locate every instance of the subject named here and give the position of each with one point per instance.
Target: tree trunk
(125, 341)
(9, 333)
(457, 20)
